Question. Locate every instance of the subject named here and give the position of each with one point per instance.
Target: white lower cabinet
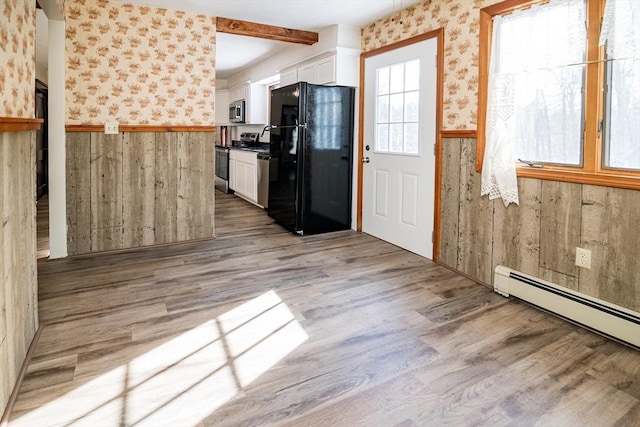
(243, 174)
(232, 170)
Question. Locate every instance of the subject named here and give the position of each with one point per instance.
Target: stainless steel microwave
(236, 112)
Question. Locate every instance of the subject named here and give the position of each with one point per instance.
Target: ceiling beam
(263, 31)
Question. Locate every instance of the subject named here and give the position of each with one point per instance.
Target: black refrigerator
(311, 147)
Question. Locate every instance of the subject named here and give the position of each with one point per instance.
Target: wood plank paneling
(560, 226)
(139, 161)
(18, 284)
(78, 152)
(106, 192)
(71, 193)
(476, 219)
(106, 180)
(189, 180)
(166, 226)
(610, 224)
(208, 184)
(138, 189)
(195, 186)
(568, 215)
(450, 201)
(516, 229)
(6, 287)
(560, 279)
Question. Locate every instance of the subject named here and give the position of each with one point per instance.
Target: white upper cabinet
(256, 105)
(238, 93)
(289, 77)
(326, 73)
(340, 68)
(320, 72)
(308, 73)
(255, 102)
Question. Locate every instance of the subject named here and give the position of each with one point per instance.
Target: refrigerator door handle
(288, 126)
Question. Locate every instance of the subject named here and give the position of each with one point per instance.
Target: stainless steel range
(222, 168)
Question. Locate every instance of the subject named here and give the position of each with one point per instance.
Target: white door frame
(57, 136)
(439, 36)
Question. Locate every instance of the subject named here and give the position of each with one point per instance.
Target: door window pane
(383, 81)
(412, 75)
(397, 78)
(395, 140)
(411, 138)
(398, 108)
(622, 150)
(382, 137)
(621, 36)
(411, 103)
(383, 109)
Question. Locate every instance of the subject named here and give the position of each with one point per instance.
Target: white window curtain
(621, 37)
(524, 89)
(620, 29)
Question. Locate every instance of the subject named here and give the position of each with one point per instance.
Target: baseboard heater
(601, 316)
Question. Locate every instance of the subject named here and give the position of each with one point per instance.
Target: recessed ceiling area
(234, 53)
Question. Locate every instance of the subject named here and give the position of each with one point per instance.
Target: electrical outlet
(583, 258)
(111, 128)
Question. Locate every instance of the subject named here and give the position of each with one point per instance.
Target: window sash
(592, 170)
(621, 37)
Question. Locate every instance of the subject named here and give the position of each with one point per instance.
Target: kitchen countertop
(262, 148)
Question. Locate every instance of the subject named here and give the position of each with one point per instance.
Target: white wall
(337, 36)
(57, 136)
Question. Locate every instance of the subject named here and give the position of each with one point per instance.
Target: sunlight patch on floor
(183, 380)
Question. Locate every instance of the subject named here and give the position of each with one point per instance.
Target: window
(398, 108)
(556, 97)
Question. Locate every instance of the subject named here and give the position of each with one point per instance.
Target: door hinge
(432, 234)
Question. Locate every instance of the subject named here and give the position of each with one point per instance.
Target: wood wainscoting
(264, 327)
(138, 189)
(540, 236)
(18, 272)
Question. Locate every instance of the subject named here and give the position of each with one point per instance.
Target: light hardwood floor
(263, 327)
(42, 227)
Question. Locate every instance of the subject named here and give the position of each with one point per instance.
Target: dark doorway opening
(42, 141)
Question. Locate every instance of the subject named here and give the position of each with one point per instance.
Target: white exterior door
(399, 153)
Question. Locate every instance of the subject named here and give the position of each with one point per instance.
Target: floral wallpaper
(461, 21)
(17, 58)
(138, 65)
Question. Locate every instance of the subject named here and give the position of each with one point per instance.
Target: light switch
(111, 128)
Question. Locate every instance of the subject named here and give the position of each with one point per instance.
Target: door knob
(366, 160)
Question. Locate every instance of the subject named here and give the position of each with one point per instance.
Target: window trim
(591, 171)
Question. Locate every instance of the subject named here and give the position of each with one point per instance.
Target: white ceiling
(41, 38)
(234, 53)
